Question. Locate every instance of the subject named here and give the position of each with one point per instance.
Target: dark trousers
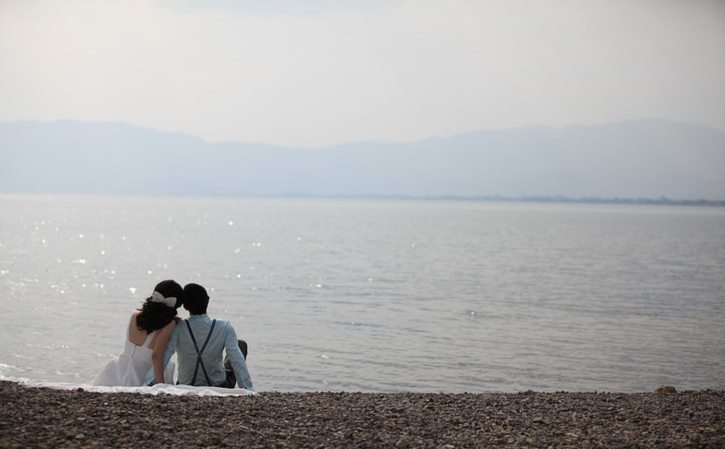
(231, 381)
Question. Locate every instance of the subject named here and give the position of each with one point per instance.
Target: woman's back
(140, 337)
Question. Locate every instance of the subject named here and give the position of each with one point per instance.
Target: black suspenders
(198, 353)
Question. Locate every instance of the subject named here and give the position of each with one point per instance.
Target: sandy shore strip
(43, 417)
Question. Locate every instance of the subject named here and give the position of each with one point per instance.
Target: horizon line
(552, 199)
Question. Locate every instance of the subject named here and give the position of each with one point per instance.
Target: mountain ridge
(648, 158)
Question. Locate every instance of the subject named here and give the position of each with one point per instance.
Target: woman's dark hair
(155, 315)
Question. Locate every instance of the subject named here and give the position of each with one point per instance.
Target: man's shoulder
(222, 323)
(179, 324)
(225, 326)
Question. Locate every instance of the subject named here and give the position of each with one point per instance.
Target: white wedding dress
(131, 367)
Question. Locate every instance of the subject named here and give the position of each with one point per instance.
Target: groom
(199, 342)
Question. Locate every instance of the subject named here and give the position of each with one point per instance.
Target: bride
(148, 333)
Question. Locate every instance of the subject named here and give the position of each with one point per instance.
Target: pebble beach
(44, 418)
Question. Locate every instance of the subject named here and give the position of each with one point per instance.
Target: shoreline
(44, 417)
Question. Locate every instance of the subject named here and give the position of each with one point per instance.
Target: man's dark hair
(195, 299)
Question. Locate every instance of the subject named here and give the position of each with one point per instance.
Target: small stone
(665, 389)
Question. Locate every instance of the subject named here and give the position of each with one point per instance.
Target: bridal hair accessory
(158, 297)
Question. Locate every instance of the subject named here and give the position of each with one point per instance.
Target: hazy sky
(324, 71)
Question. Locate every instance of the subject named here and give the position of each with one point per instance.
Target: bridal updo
(160, 308)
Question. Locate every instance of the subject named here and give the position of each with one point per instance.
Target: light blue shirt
(224, 337)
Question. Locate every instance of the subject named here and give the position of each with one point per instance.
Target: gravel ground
(42, 417)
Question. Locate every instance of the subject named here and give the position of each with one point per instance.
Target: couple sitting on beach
(155, 333)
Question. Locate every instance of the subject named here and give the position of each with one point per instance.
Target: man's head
(195, 299)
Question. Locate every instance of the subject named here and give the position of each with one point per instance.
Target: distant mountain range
(632, 159)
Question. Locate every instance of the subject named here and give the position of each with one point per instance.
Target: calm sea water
(378, 295)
